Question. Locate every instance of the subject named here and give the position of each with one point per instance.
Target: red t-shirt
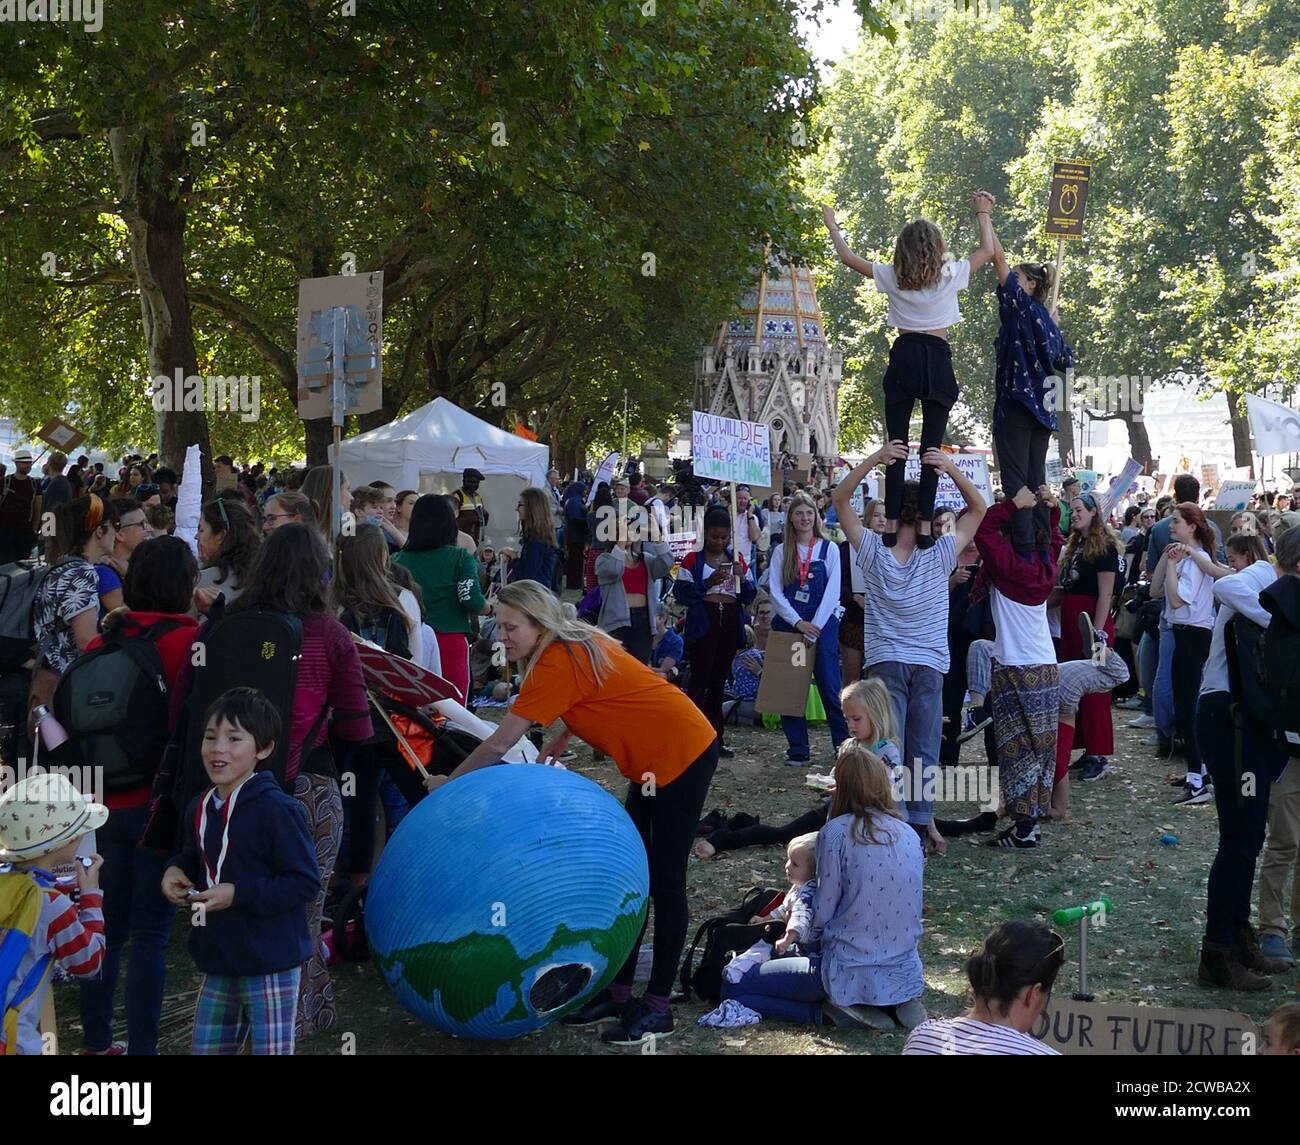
(174, 648)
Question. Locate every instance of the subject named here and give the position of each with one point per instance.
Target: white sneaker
(1143, 721)
(1152, 740)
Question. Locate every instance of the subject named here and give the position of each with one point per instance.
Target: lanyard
(201, 824)
(804, 565)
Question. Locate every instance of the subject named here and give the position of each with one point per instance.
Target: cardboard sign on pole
(787, 672)
(61, 435)
(726, 449)
(362, 296)
(1069, 199)
(1234, 495)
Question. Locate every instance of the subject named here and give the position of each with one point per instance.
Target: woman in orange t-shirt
(575, 673)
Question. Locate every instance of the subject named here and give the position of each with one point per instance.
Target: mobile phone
(190, 892)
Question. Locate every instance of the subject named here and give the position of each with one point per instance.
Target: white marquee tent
(429, 448)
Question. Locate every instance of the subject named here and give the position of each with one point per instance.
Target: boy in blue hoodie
(248, 867)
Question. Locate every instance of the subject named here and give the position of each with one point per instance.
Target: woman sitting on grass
(866, 915)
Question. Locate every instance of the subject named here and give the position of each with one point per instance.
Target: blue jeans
(826, 673)
(135, 912)
(1148, 658)
(917, 694)
(1164, 697)
(786, 988)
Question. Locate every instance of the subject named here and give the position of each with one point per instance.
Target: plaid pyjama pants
(231, 1009)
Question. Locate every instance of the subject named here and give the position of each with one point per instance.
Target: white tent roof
(441, 438)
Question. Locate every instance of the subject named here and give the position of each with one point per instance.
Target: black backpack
(113, 702)
(1281, 655)
(388, 630)
(18, 585)
(724, 936)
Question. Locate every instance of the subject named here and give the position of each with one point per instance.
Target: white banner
(730, 450)
(974, 466)
(604, 474)
(1275, 427)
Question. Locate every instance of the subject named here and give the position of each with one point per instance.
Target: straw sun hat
(43, 813)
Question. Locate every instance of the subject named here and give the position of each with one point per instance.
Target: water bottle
(52, 733)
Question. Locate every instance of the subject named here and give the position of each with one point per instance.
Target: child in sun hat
(42, 820)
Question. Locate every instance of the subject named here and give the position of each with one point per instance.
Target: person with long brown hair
(318, 488)
(1091, 570)
(577, 674)
(1189, 591)
(228, 540)
(866, 912)
(537, 553)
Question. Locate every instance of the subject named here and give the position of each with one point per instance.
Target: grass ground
(1146, 954)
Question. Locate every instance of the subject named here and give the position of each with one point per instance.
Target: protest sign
(1087, 479)
(974, 466)
(680, 544)
(1108, 1029)
(1068, 200)
(61, 435)
(1274, 427)
(1122, 483)
(1234, 495)
(361, 296)
(729, 450)
(787, 670)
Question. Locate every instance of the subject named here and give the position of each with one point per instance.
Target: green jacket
(448, 579)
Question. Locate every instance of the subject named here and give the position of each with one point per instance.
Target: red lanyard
(804, 565)
(200, 828)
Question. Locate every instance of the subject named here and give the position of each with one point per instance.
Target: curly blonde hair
(919, 255)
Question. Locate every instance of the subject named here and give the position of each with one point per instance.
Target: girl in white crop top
(922, 284)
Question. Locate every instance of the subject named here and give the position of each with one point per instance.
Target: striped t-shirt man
(906, 614)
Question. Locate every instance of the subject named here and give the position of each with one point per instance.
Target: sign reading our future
(1068, 200)
(725, 449)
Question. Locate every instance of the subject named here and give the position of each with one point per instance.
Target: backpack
(19, 583)
(114, 703)
(20, 912)
(389, 630)
(251, 648)
(725, 936)
(1281, 661)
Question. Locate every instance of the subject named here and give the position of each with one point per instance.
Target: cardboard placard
(365, 292)
(1068, 200)
(787, 672)
(1107, 1029)
(1055, 471)
(60, 435)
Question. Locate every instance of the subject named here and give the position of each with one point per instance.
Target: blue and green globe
(507, 899)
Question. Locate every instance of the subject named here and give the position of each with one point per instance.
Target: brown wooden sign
(1065, 208)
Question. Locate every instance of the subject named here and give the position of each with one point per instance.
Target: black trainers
(639, 1024)
(1097, 767)
(1193, 796)
(1082, 762)
(724, 752)
(601, 1010)
(925, 540)
(1010, 838)
(975, 721)
(889, 540)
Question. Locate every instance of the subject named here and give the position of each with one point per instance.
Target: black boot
(1221, 967)
(1246, 948)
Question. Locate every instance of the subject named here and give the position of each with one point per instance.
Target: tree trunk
(320, 432)
(151, 174)
(1241, 442)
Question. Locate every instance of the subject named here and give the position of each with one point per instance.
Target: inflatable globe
(507, 899)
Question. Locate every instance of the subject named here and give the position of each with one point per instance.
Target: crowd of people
(925, 622)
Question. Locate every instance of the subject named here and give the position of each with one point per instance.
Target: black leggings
(1191, 650)
(666, 817)
(636, 637)
(1021, 446)
(934, 421)
(763, 835)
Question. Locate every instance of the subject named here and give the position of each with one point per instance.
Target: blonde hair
(541, 607)
(537, 523)
(1286, 1021)
(872, 697)
(863, 789)
(919, 255)
(789, 545)
(804, 845)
